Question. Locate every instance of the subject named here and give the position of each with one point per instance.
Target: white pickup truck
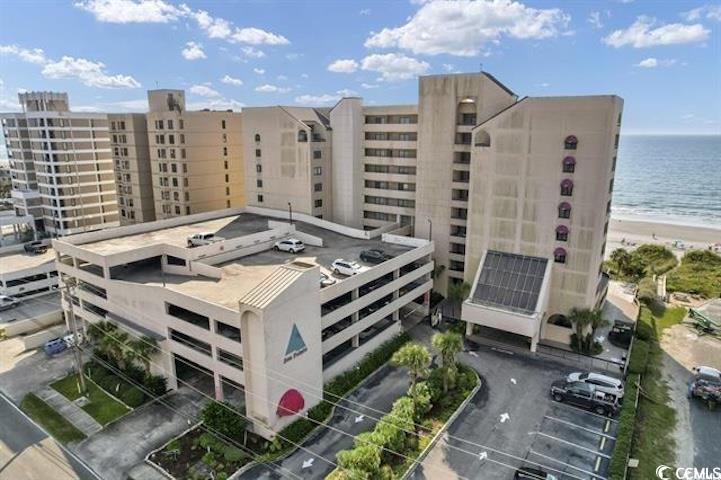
(201, 239)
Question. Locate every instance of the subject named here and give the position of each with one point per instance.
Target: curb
(42, 429)
(419, 459)
(160, 448)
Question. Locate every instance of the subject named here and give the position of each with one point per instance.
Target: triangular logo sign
(296, 345)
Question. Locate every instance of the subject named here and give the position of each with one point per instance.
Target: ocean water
(669, 178)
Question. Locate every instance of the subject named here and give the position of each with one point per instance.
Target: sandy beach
(641, 231)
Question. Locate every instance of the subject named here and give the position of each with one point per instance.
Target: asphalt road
(27, 453)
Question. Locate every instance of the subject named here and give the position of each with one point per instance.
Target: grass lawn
(653, 442)
(53, 422)
(102, 407)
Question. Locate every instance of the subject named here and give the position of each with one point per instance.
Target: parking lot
(512, 422)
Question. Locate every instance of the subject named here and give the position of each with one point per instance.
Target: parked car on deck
(373, 256)
(345, 267)
(532, 473)
(604, 383)
(326, 281)
(202, 239)
(291, 245)
(584, 395)
(7, 302)
(35, 247)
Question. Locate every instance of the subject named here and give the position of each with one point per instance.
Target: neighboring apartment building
(195, 156)
(259, 323)
(287, 152)
(420, 166)
(61, 165)
(133, 176)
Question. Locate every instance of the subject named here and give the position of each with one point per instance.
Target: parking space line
(566, 422)
(603, 443)
(607, 426)
(565, 405)
(571, 444)
(538, 454)
(598, 464)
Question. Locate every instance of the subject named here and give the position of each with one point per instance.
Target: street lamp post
(430, 228)
(290, 213)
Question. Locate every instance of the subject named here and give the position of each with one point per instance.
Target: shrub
(132, 397)
(421, 396)
(232, 454)
(435, 384)
(699, 272)
(644, 331)
(624, 433)
(224, 418)
(647, 290)
(639, 356)
(157, 384)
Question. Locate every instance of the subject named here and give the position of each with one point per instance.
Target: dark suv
(35, 247)
(531, 473)
(373, 255)
(583, 395)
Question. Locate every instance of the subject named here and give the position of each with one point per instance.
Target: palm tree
(114, 346)
(457, 293)
(142, 349)
(415, 358)
(582, 319)
(449, 344)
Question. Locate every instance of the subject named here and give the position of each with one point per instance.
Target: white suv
(345, 267)
(603, 383)
(201, 239)
(7, 302)
(291, 245)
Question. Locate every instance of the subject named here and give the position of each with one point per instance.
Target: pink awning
(569, 161)
(290, 403)
(559, 252)
(567, 183)
(571, 139)
(564, 206)
(562, 229)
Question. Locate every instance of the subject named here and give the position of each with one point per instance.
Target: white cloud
(544, 85)
(159, 11)
(317, 99)
(204, 91)
(594, 18)
(8, 105)
(281, 78)
(215, 104)
(303, 75)
(88, 72)
(365, 11)
(193, 51)
(252, 52)
(268, 88)
(346, 92)
(36, 55)
(449, 68)
(259, 71)
(652, 62)
(231, 81)
(710, 12)
(343, 65)
(369, 86)
(394, 66)
(293, 56)
(687, 116)
(465, 27)
(642, 34)
(132, 11)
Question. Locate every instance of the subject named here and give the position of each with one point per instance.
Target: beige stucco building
(474, 168)
(61, 165)
(245, 322)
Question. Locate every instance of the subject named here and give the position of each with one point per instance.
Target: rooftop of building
(19, 261)
(238, 275)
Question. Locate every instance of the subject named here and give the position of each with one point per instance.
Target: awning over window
(571, 139)
(569, 161)
(559, 252)
(567, 183)
(561, 229)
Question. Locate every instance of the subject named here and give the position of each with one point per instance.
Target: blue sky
(662, 57)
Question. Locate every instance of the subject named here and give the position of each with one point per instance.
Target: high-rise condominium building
(496, 182)
(61, 165)
(131, 156)
(195, 157)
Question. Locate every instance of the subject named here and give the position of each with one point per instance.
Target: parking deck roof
(20, 261)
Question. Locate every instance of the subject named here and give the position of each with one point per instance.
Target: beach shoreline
(626, 232)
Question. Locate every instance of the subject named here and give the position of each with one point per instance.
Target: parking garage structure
(239, 319)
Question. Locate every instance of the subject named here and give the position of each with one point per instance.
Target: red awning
(567, 183)
(564, 206)
(290, 403)
(562, 229)
(559, 252)
(569, 161)
(571, 139)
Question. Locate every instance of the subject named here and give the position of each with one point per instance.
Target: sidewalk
(69, 410)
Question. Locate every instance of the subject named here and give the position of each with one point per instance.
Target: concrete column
(534, 343)
(218, 387)
(469, 328)
(355, 341)
(172, 374)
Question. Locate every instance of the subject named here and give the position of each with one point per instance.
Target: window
(171, 139)
(185, 168)
(613, 165)
(317, 171)
(225, 138)
(567, 188)
(302, 136)
(259, 168)
(182, 138)
(187, 210)
(317, 154)
(564, 210)
(610, 186)
(227, 190)
(260, 198)
(225, 164)
(173, 167)
(230, 359)
(170, 124)
(615, 143)
(257, 152)
(227, 331)
(559, 255)
(187, 315)
(318, 187)
(259, 183)
(257, 137)
(404, 120)
(562, 233)
(225, 153)
(180, 123)
(569, 165)
(570, 143)
(222, 124)
(227, 179)
(318, 203)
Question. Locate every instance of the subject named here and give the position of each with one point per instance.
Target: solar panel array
(510, 281)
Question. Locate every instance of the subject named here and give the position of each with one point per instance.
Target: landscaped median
(101, 406)
(42, 413)
(645, 430)
(401, 436)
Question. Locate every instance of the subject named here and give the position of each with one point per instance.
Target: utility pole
(290, 213)
(78, 360)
